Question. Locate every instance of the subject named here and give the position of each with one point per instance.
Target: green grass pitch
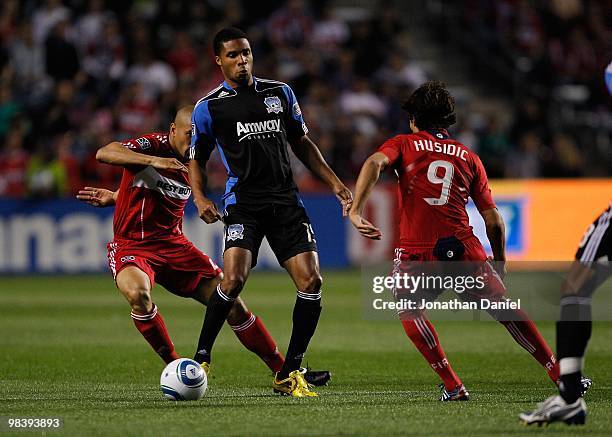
(68, 349)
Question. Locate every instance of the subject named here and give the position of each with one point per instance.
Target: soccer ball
(183, 380)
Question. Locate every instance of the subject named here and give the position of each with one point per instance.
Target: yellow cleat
(294, 385)
(206, 367)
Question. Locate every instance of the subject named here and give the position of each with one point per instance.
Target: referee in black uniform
(252, 121)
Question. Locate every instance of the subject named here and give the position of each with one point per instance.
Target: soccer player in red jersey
(149, 245)
(436, 176)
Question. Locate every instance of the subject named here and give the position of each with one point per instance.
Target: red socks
(425, 338)
(153, 329)
(252, 334)
(527, 336)
(256, 338)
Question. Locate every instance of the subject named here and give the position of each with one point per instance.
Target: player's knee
(568, 288)
(232, 284)
(139, 298)
(410, 315)
(311, 284)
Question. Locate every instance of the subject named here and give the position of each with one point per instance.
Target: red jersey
(151, 202)
(436, 176)
(13, 170)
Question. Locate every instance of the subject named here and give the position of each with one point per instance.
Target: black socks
(219, 306)
(306, 314)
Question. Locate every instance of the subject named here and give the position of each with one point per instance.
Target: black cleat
(585, 385)
(317, 377)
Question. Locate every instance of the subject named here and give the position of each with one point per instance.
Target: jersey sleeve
(480, 191)
(202, 137)
(146, 144)
(392, 148)
(296, 127)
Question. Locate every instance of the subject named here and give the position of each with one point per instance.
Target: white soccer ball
(183, 380)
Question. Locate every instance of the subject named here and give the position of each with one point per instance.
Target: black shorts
(287, 228)
(595, 252)
(596, 244)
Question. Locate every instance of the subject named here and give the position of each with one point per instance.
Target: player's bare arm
(310, 155)
(496, 233)
(98, 197)
(207, 210)
(117, 154)
(368, 177)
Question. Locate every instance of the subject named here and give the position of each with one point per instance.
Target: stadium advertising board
(544, 220)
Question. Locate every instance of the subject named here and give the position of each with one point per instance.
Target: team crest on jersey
(143, 143)
(273, 104)
(235, 232)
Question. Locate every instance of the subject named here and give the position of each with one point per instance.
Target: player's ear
(218, 60)
(173, 128)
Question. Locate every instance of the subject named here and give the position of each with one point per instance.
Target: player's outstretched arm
(98, 197)
(308, 152)
(496, 233)
(116, 153)
(368, 176)
(207, 210)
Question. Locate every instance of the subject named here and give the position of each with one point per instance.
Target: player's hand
(168, 164)
(364, 227)
(498, 266)
(207, 210)
(345, 197)
(96, 196)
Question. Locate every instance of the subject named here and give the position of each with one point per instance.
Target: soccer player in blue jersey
(252, 122)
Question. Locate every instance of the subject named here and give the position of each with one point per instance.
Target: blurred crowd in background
(550, 57)
(76, 75)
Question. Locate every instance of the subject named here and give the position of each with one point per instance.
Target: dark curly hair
(431, 106)
(227, 34)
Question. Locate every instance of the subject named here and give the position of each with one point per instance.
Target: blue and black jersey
(252, 127)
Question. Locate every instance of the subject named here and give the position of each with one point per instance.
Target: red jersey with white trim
(436, 176)
(151, 201)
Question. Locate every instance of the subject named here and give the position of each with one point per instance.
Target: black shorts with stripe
(596, 243)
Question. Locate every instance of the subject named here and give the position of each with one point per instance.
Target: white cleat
(555, 409)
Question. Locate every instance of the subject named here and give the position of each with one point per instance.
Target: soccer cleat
(206, 367)
(555, 409)
(585, 385)
(458, 394)
(294, 385)
(317, 377)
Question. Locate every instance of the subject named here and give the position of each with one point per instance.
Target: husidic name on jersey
(446, 148)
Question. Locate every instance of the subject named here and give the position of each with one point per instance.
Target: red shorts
(473, 251)
(421, 260)
(176, 264)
